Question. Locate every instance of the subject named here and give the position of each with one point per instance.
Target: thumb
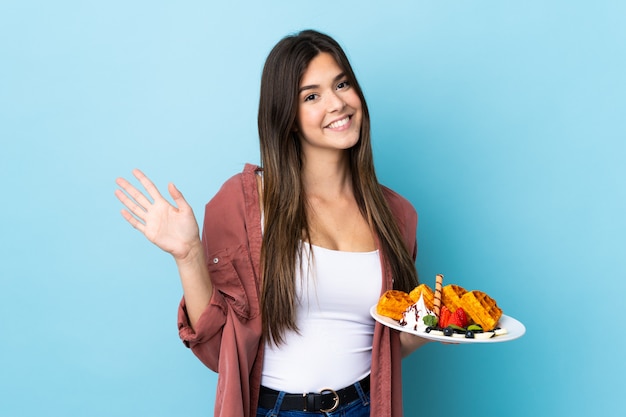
(176, 195)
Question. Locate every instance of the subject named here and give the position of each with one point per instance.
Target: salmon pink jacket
(227, 336)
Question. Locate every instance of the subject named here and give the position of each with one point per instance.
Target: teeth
(339, 123)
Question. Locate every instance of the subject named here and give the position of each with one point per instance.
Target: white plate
(514, 327)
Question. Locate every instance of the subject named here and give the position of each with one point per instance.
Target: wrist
(194, 255)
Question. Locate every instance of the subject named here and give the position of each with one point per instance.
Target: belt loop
(279, 402)
(309, 402)
(362, 394)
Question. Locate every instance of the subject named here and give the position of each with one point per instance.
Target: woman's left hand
(410, 343)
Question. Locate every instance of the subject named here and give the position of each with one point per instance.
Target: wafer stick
(437, 301)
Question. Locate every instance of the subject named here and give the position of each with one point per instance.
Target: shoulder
(400, 206)
(235, 188)
(234, 211)
(405, 216)
(235, 202)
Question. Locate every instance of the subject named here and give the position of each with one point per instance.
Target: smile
(339, 123)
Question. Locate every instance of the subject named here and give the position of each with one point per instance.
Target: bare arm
(173, 229)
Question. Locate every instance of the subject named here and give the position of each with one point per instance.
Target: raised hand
(174, 229)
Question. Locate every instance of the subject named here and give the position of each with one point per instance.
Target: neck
(329, 178)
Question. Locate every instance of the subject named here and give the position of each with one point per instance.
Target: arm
(173, 229)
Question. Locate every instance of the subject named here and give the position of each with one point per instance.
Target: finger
(134, 208)
(152, 190)
(133, 220)
(137, 195)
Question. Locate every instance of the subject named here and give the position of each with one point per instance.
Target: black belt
(326, 401)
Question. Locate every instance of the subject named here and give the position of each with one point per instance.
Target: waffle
(481, 308)
(451, 296)
(393, 303)
(425, 291)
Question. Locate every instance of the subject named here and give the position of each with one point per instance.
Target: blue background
(502, 121)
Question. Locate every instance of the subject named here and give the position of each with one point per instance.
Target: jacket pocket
(229, 274)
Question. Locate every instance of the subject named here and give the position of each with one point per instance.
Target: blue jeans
(357, 408)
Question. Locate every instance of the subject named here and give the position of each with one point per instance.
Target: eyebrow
(314, 86)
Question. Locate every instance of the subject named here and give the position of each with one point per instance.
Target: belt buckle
(336, 399)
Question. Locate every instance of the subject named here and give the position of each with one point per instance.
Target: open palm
(174, 229)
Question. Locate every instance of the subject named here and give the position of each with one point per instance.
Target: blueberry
(448, 331)
(469, 334)
(428, 329)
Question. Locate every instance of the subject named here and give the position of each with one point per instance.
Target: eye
(343, 85)
(310, 97)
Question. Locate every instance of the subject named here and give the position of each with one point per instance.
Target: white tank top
(334, 347)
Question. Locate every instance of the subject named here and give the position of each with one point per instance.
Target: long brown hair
(284, 201)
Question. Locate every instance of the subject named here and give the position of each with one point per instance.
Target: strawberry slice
(444, 317)
(454, 319)
(461, 317)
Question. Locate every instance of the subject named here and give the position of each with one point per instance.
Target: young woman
(293, 254)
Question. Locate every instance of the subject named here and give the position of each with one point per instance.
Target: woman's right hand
(174, 229)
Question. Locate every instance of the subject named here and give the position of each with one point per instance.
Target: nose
(335, 102)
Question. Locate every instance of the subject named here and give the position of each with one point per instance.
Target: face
(329, 109)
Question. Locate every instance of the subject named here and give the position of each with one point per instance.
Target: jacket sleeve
(226, 248)
(386, 388)
(206, 340)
